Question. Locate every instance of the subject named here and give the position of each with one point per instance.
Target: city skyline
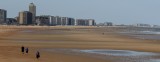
(118, 12)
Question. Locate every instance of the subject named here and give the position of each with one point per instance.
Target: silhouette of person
(22, 49)
(103, 33)
(27, 50)
(37, 55)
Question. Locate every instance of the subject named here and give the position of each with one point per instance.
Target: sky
(116, 11)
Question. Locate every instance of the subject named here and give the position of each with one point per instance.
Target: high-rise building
(81, 22)
(3, 16)
(59, 20)
(32, 9)
(67, 21)
(25, 18)
(71, 21)
(91, 22)
(64, 20)
(85, 22)
(43, 20)
(52, 20)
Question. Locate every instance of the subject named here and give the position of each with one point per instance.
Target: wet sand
(37, 38)
(114, 55)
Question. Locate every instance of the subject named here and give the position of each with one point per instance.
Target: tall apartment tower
(25, 18)
(3, 16)
(32, 9)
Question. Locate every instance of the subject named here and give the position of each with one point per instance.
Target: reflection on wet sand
(115, 55)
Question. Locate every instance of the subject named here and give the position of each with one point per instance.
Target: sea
(147, 34)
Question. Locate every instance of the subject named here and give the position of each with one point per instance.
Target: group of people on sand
(26, 50)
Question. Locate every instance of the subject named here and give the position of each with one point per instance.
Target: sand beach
(70, 43)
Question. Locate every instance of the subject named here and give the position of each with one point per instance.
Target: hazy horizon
(116, 11)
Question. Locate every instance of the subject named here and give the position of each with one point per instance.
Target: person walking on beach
(27, 50)
(22, 49)
(37, 55)
(103, 33)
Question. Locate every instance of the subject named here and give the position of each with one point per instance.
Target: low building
(11, 21)
(143, 25)
(108, 24)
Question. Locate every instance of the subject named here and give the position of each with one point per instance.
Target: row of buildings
(30, 18)
(105, 24)
(64, 21)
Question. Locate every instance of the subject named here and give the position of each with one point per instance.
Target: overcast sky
(116, 11)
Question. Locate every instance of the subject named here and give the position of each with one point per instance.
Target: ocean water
(153, 35)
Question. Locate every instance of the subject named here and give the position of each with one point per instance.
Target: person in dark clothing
(37, 55)
(22, 49)
(27, 50)
(103, 33)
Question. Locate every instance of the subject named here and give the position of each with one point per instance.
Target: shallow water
(153, 35)
(149, 32)
(119, 52)
(115, 55)
(155, 60)
(126, 55)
